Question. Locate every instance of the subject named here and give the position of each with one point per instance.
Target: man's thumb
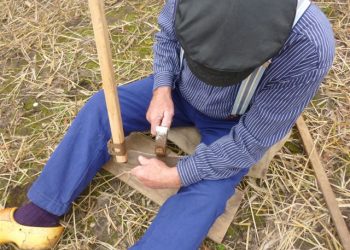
(143, 160)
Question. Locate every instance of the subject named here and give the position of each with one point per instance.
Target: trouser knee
(211, 200)
(95, 111)
(96, 104)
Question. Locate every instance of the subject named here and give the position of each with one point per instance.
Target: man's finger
(135, 171)
(168, 118)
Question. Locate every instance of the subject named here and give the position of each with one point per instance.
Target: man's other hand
(154, 173)
(161, 109)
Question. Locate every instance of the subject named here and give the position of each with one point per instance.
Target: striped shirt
(286, 88)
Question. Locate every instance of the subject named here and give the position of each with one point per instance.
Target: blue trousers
(185, 218)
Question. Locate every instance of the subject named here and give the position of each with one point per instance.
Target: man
(224, 42)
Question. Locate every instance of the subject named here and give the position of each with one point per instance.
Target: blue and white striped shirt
(287, 86)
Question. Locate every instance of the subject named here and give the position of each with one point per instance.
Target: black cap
(225, 40)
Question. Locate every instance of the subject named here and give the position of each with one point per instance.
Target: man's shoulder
(315, 30)
(310, 46)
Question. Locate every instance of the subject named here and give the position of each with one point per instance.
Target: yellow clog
(26, 237)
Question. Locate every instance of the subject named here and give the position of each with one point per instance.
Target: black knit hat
(225, 40)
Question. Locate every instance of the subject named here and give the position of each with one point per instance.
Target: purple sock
(34, 216)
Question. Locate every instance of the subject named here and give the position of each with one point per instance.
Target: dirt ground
(49, 68)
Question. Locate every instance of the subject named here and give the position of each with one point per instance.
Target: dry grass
(48, 68)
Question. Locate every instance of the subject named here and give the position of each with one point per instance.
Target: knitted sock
(34, 216)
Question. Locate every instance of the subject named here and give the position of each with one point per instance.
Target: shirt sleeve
(272, 114)
(166, 49)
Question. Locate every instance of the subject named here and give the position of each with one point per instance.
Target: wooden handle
(324, 184)
(105, 58)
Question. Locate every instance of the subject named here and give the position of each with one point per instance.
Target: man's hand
(161, 109)
(154, 173)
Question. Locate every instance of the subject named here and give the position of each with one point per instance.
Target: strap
(247, 89)
(250, 84)
(302, 7)
(182, 52)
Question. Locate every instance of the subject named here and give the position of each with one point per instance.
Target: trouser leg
(185, 218)
(83, 151)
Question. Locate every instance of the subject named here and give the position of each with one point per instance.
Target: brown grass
(48, 68)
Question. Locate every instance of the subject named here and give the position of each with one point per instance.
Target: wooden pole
(324, 184)
(111, 94)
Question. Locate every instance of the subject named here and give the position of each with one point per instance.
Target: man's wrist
(175, 177)
(162, 90)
